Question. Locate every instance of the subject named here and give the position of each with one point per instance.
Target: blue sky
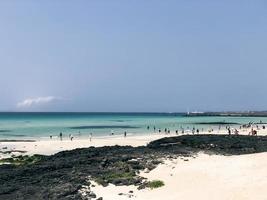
(160, 56)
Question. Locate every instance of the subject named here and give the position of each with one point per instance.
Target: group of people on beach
(61, 136)
(124, 134)
(235, 131)
(71, 137)
(194, 130)
(254, 128)
(182, 130)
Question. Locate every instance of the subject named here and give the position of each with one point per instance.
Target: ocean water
(42, 125)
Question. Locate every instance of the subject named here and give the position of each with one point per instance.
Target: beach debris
(129, 195)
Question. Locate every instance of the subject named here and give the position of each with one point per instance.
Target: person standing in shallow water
(60, 135)
(91, 135)
(229, 131)
(125, 133)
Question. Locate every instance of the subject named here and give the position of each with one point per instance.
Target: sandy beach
(204, 177)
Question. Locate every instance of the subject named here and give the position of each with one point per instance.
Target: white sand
(205, 177)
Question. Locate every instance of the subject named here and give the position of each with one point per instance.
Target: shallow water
(42, 125)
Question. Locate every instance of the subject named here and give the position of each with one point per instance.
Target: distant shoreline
(229, 114)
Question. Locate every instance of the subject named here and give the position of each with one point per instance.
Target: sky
(133, 56)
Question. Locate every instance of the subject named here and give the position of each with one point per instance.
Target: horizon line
(176, 112)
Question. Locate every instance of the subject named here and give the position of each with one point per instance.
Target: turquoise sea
(42, 125)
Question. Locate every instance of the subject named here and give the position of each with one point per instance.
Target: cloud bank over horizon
(30, 102)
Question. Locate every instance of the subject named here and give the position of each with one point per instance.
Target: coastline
(55, 145)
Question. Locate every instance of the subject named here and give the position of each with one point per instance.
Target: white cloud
(36, 101)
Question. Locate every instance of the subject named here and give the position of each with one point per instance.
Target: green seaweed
(21, 160)
(155, 184)
(110, 177)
